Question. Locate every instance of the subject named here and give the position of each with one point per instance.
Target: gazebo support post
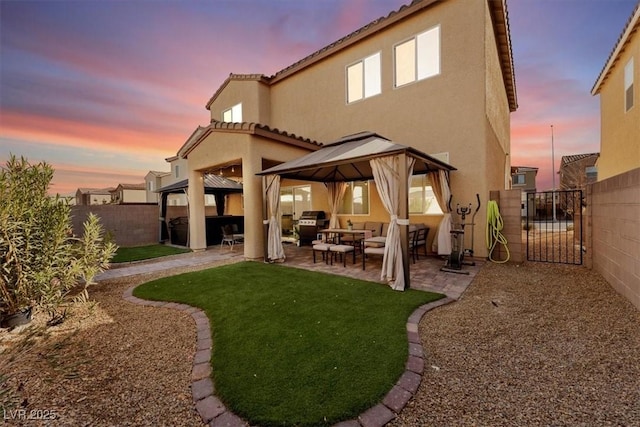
(403, 212)
(265, 219)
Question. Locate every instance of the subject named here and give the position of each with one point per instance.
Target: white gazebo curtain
(275, 251)
(387, 178)
(335, 192)
(441, 189)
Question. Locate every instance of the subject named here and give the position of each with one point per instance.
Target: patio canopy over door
(352, 159)
(219, 186)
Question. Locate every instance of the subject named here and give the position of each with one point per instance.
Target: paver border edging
(213, 411)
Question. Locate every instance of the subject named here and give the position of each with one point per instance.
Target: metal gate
(554, 227)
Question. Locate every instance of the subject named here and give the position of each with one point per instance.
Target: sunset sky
(106, 90)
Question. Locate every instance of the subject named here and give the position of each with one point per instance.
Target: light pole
(553, 176)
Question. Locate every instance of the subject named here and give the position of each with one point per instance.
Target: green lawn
(296, 347)
(138, 253)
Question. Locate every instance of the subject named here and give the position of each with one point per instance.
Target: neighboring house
(153, 181)
(578, 170)
(437, 76)
(613, 202)
(129, 193)
(524, 178)
(619, 88)
(93, 196)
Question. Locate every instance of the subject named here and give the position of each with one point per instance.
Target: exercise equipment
(455, 261)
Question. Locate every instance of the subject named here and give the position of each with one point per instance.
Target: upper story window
(149, 185)
(417, 58)
(518, 178)
(233, 114)
(628, 85)
(364, 78)
(177, 171)
(422, 200)
(356, 199)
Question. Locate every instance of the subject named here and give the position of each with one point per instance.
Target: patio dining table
(340, 231)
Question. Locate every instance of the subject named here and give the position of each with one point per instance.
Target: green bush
(41, 260)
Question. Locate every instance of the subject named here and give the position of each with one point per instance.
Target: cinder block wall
(129, 225)
(509, 203)
(613, 232)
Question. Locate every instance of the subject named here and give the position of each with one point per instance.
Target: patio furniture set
(366, 238)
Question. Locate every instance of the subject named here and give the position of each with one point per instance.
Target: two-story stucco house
(619, 88)
(434, 75)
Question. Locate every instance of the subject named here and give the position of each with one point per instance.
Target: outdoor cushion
(322, 247)
(343, 249)
(385, 229)
(371, 251)
(375, 242)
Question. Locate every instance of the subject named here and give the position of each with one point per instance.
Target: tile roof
(630, 29)
(575, 157)
(103, 191)
(140, 186)
(251, 128)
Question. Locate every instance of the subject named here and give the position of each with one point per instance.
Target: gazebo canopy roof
(212, 184)
(348, 160)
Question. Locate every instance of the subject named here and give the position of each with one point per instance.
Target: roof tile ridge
(343, 39)
(614, 50)
(252, 126)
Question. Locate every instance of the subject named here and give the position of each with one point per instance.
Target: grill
(309, 224)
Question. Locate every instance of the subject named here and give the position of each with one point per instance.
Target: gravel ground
(126, 365)
(538, 344)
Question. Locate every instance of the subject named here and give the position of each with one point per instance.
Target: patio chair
(229, 237)
(371, 250)
(421, 241)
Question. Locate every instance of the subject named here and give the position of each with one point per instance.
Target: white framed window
(417, 58)
(422, 200)
(364, 78)
(177, 171)
(356, 199)
(628, 85)
(233, 114)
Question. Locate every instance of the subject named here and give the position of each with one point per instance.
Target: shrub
(41, 260)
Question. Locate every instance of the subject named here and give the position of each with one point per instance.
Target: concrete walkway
(191, 259)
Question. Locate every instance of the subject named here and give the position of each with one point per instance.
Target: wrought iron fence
(553, 224)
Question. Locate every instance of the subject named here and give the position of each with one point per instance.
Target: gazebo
(218, 186)
(361, 156)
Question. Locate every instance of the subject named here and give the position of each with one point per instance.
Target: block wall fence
(612, 234)
(129, 224)
(509, 203)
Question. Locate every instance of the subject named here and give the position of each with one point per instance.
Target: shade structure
(213, 184)
(351, 159)
(348, 160)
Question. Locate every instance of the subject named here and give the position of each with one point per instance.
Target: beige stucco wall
(220, 148)
(251, 92)
(462, 111)
(134, 196)
(620, 130)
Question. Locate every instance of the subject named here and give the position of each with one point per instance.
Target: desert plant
(40, 259)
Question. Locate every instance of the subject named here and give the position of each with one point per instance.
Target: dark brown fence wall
(129, 225)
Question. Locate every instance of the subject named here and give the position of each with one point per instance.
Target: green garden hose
(494, 228)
